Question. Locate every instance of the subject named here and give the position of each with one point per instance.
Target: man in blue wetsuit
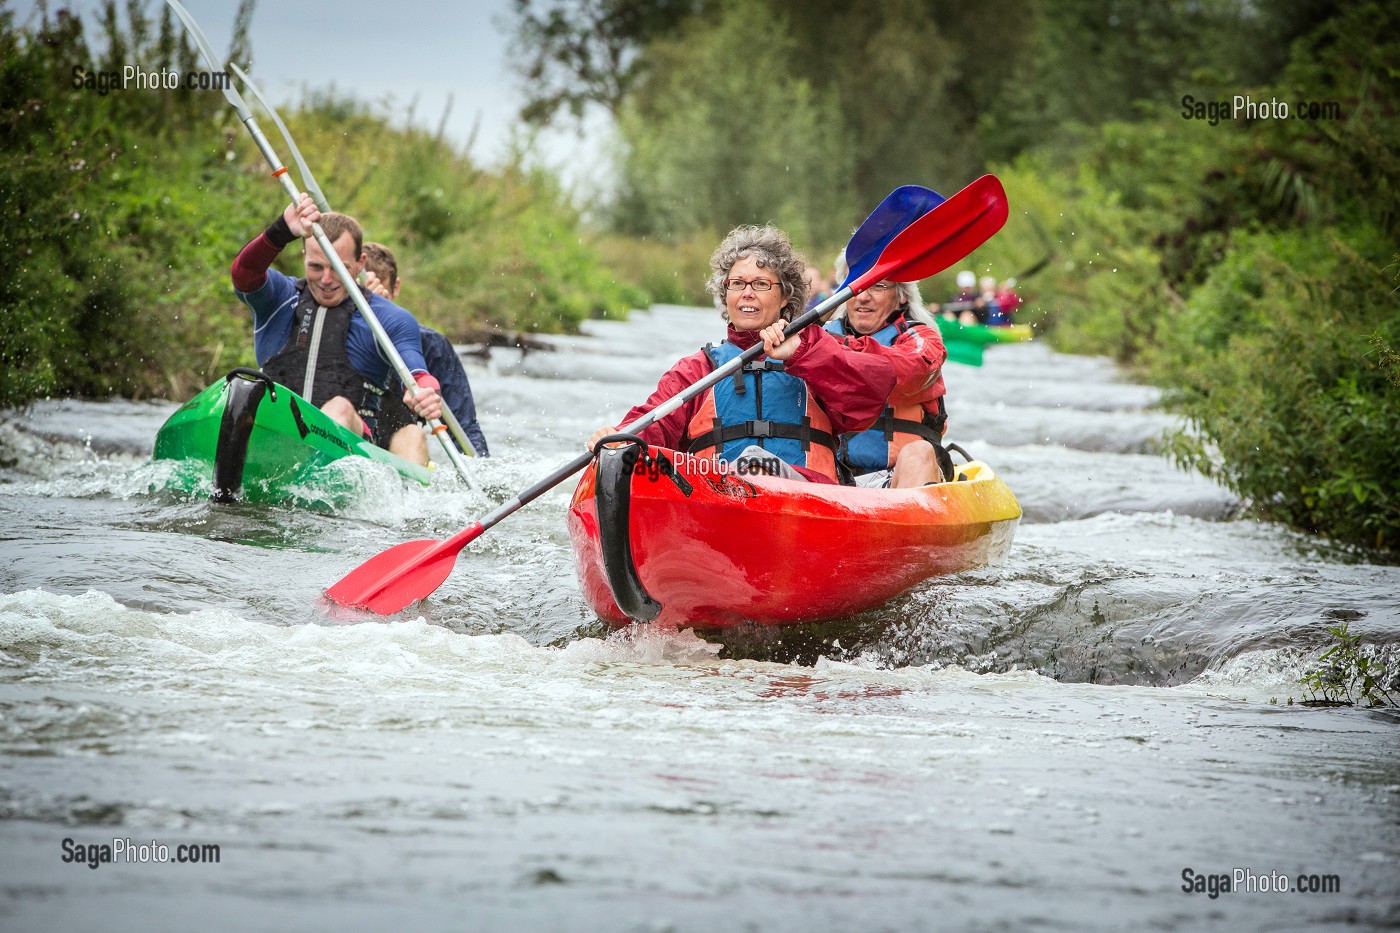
(382, 278)
(309, 336)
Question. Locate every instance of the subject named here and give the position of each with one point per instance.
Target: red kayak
(665, 537)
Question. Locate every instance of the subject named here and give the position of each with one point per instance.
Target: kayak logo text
(1244, 107)
(93, 854)
(133, 78)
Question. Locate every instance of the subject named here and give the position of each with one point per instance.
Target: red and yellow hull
(768, 550)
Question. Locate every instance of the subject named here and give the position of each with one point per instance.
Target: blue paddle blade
(898, 211)
(945, 235)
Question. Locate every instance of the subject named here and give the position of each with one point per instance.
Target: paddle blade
(197, 36)
(395, 579)
(943, 236)
(892, 216)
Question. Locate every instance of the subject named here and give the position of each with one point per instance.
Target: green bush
(1279, 361)
(478, 250)
(1243, 267)
(86, 192)
(667, 272)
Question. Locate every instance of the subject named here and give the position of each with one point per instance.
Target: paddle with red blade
(406, 573)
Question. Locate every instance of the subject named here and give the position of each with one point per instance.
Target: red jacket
(851, 387)
(1009, 302)
(917, 356)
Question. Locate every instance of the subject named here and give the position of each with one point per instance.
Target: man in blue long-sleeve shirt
(309, 336)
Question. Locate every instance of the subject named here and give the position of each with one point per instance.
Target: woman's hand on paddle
(598, 435)
(301, 215)
(773, 343)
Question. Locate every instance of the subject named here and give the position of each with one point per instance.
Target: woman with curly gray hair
(780, 415)
(770, 249)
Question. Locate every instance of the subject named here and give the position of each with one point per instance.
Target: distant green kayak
(982, 334)
(965, 342)
(253, 439)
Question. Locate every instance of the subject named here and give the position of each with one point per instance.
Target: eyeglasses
(758, 285)
(881, 287)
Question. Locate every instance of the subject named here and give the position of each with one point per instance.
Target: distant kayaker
(309, 336)
(991, 313)
(904, 447)
(785, 413)
(382, 278)
(1008, 298)
(963, 306)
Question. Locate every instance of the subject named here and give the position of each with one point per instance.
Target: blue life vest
(877, 447)
(762, 405)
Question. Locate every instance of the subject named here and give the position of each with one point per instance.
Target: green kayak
(253, 439)
(965, 342)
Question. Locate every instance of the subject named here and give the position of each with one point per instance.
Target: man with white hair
(904, 447)
(990, 312)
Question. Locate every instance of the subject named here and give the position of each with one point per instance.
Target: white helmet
(967, 279)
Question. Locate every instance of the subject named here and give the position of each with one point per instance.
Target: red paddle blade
(395, 579)
(943, 236)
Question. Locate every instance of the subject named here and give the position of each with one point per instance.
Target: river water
(1050, 743)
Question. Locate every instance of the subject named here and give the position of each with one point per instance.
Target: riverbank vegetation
(1246, 262)
(1353, 673)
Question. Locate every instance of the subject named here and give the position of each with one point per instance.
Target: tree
(888, 94)
(912, 79)
(1092, 61)
(573, 53)
(717, 136)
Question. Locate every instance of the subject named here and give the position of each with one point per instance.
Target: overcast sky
(404, 50)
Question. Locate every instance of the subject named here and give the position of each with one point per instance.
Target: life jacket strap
(720, 435)
(754, 366)
(892, 426)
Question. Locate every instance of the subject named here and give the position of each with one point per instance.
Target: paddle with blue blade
(902, 207)
(922, 246)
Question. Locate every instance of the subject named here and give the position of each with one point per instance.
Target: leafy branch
(1349, 673)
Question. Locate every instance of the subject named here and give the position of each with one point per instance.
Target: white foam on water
(873, 793)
